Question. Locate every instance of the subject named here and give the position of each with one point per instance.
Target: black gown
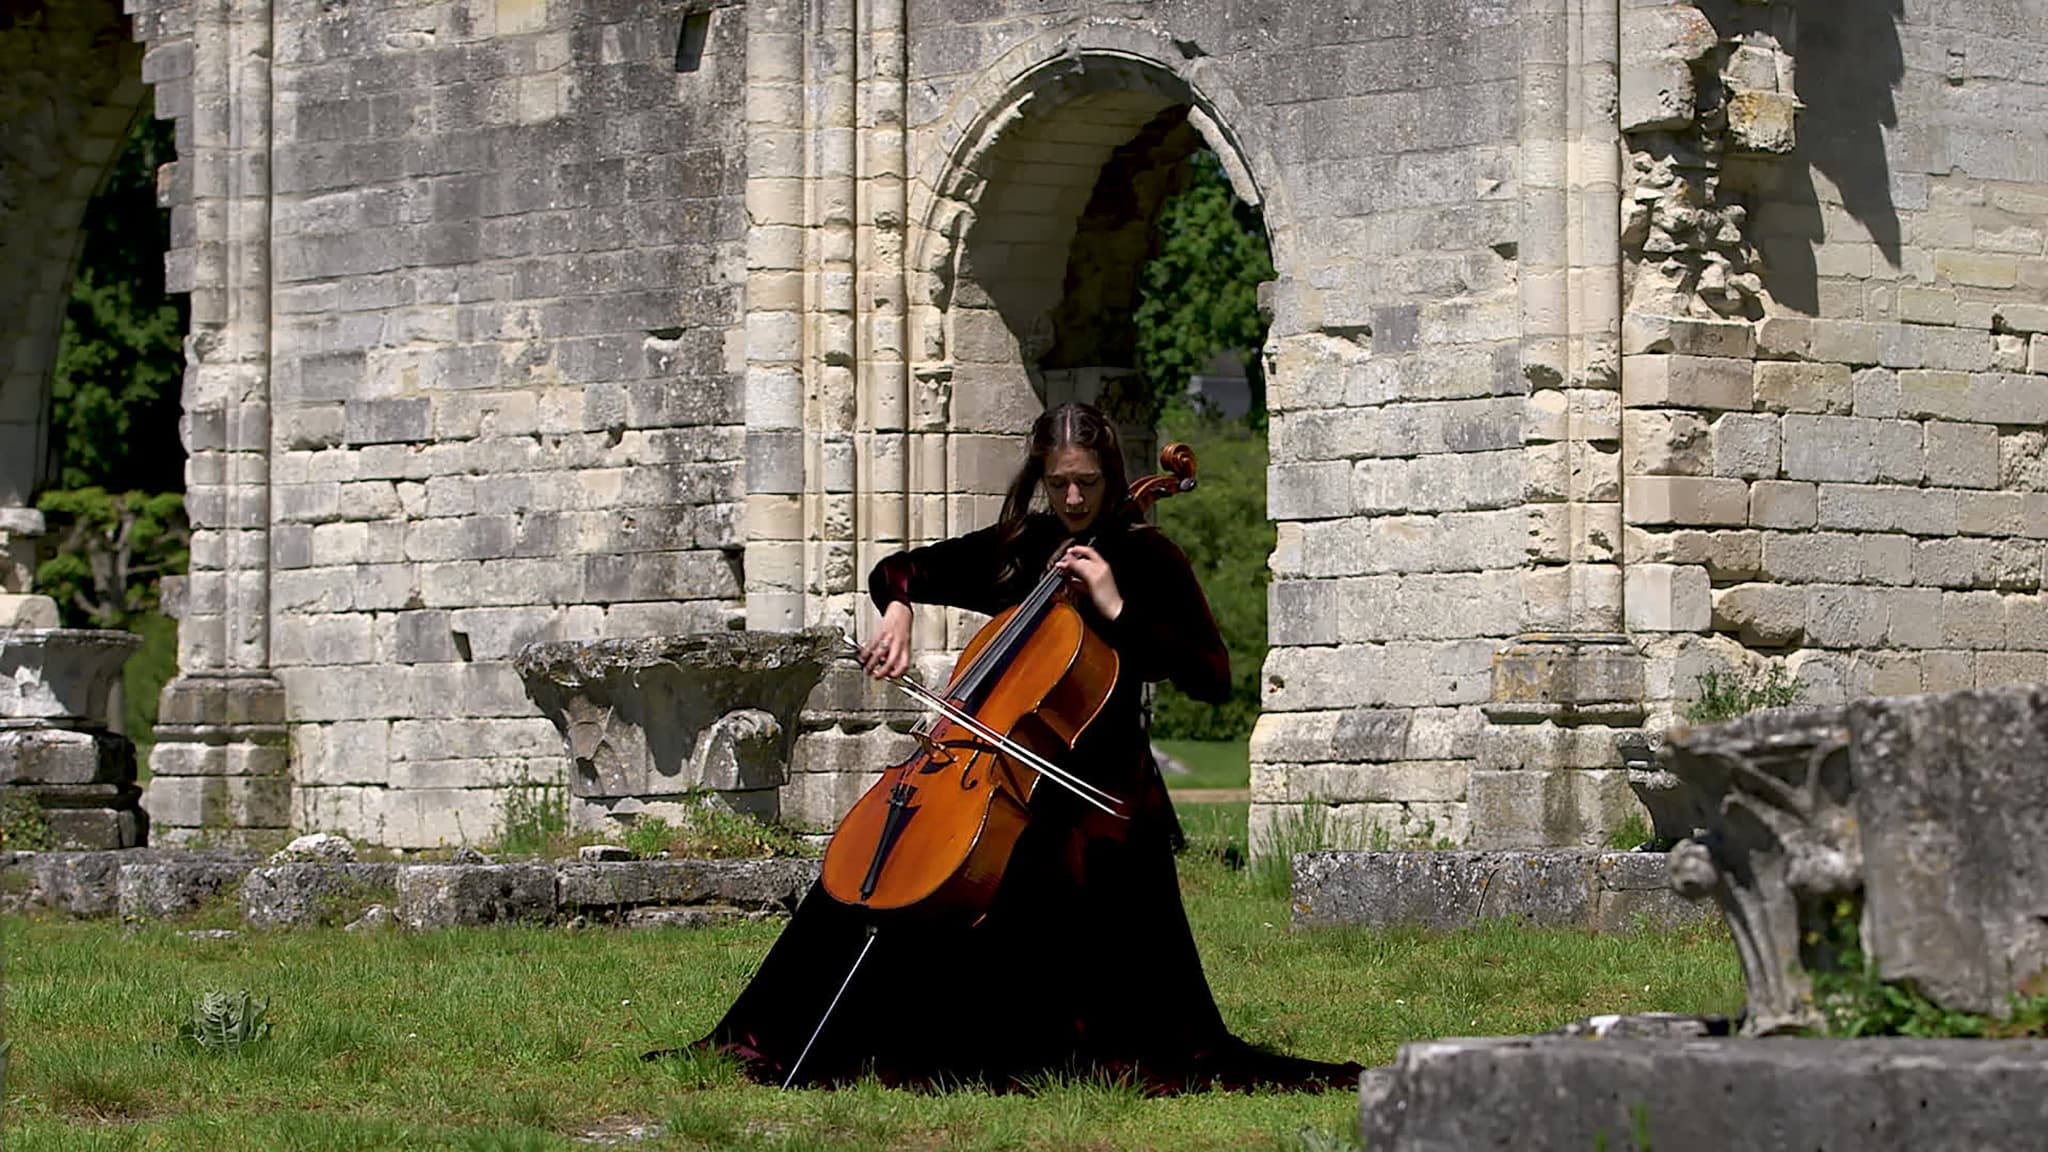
(1085, 963)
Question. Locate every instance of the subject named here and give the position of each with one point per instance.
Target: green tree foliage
(116, 509)
(1222, 526)
(1199, 298)
(120, 361)
(112, 548)
(1200, 294)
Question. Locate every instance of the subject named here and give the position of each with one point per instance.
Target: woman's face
(1073, 484)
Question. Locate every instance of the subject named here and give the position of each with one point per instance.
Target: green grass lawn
(527, 1038)
(1211, 763)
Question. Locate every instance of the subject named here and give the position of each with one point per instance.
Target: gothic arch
(70, 87)
(1039, 123)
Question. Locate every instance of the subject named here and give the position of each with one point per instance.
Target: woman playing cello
(1084, 961)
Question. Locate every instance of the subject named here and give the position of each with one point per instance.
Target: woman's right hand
(887, 656)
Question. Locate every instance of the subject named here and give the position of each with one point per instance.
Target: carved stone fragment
(654, 720)
(1906, 833)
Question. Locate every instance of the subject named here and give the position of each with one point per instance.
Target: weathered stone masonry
(1611, 342)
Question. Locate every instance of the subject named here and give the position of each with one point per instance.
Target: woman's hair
(1067, 426)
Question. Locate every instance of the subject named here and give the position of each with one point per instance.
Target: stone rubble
(148, 884)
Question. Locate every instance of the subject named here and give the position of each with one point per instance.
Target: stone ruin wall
(1391, 125)
(1835, 370)
(495, 269)
(1522, 386)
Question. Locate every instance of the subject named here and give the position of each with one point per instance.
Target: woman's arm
(962, 572)
(1165, 630)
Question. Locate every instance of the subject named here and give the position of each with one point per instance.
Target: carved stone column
(1548, 773)
(221, 766)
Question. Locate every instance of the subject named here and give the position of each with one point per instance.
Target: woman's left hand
(1086, 567)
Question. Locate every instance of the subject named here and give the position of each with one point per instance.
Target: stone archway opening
(91, 369)
(1044, 301)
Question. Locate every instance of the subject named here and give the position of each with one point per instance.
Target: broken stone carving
(1693, 95)
(57, 755)
(655, 724)
(1908, 832)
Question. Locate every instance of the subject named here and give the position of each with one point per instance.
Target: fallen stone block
(89, 883)
(80, 883)
(1551, 888)
(175, 887)
(697, 916)
(448, 895)
(1708, 1094)
(610, 888)
(285, 895)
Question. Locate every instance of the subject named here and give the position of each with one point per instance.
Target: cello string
(1004, 744)
(1021, 621)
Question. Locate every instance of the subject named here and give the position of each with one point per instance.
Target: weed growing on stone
(1313, 826)
(1633, 832)
(1725, 697)
(1854, 1001)
(536, 817)
(22, 827)
(711, 831)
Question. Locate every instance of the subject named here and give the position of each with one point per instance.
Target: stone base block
(219, 802)
(42, 755)
(442, 896)
(174, 887)
(611, 888)
(1708, 1094)
(89, 883)
(611, 816)
(97, 829)
(286, 895)
(1601, 891)
(1550, 808)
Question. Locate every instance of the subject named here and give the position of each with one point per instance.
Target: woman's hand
(887, 656)
(1086, 567)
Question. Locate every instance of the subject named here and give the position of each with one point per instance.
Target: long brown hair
(1067, 426)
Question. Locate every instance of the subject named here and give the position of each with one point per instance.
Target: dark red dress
(1084, 963)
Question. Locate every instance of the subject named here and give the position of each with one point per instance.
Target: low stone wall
(150, 884)
(1560, 888)
(1757, 1095)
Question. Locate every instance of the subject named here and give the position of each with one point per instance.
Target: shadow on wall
(1849, 63)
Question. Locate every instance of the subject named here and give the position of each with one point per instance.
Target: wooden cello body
(933, 836)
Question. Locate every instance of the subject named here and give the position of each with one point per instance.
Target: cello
(932, 836)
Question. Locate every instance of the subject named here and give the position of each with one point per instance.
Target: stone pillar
(883, 446)
(221, 765)
(1548, 773)
(776, 297)
(1706, 110)
(834, 323)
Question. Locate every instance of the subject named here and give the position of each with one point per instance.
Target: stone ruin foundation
(1905, 834)
(67, 778)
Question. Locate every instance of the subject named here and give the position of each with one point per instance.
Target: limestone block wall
(1379, 145)
(504, 378)
(1844, 472)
